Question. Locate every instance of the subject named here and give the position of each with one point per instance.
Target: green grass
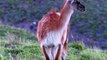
(15, 44)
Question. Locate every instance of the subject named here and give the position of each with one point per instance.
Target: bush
(92, 54)
(79, 46)
(31, 52)
(14, 51)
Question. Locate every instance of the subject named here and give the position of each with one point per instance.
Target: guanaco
(52, 30)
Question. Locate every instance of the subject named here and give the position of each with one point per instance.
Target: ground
(18, 44)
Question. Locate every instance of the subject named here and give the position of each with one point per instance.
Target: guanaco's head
(76, 5)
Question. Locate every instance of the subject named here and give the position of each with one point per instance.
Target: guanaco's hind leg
(59, 52)
(47, 53)
(44, 51)
(64, 51)
(52, 54)
(54, 51)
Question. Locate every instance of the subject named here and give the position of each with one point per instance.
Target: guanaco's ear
(79, 6)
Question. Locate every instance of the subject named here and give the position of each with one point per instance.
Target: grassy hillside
(6, 31)
(18, 44)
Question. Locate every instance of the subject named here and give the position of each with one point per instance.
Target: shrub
(31, 52)
(92, 54)
(78, 45)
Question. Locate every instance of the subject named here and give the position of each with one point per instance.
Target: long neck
(66, 13)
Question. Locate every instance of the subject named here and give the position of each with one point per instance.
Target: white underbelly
(53, 38)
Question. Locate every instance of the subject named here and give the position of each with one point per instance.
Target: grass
(6, 31)
(20, 47)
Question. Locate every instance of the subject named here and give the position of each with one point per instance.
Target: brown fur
(49, 22)
(53, 22)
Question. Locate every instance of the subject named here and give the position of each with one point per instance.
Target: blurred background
(19, 18)
(90, 25)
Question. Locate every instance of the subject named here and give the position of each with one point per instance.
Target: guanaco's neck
(66, 13)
